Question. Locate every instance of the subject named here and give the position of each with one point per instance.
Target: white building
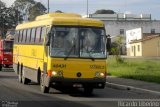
(117, 24)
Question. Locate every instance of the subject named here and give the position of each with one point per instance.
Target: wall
(136, 49)
(151, 47)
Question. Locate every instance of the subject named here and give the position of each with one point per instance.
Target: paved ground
(12, 92)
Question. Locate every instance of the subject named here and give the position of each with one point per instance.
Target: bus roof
(61, 19)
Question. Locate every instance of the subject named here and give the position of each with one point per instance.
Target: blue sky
(119, 6)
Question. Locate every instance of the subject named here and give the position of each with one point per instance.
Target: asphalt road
(14, 94)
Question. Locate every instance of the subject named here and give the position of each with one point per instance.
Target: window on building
(121, 31)
(138, 48)
(132, 48)
(152, 31)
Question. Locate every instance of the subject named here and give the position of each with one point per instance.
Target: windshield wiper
(69, 52)
(73, 47)
(89, 53)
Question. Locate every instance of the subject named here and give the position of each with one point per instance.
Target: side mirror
(108, 37)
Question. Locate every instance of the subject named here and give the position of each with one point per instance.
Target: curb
(131, 88)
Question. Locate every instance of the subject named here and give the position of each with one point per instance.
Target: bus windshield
(84, 42)
(8, 45)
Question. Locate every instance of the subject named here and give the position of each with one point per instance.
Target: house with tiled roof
(148, 46)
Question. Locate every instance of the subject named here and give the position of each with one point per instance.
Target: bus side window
(28, 36)
(38, 35)
(43, 32)
(33, 34)
(16, 36)
(24, 36)
(20, 36)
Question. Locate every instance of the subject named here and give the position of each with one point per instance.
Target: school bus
(61, 49)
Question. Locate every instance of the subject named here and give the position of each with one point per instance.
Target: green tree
(3, 16)
(103, 11)
(36, 10)
(29, 9)
(116, 48)
(8, 18)
(23, 6)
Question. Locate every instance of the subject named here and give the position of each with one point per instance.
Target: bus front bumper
(78, 82)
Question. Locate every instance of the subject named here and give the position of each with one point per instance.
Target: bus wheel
(44, 89)
(88, 90)
(25, 80)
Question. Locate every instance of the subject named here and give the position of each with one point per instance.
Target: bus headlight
(99, 74)
(54, 73)
(57, 73)
(102, 74)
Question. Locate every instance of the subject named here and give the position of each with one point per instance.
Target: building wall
(151, 47)
(135, 49)
(113, 27)
(116, 22)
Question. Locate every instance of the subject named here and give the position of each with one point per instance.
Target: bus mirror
(108, 43)
(48, 39)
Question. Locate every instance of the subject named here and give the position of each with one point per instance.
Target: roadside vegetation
(140, 69)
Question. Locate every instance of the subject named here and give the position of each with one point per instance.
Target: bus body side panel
(31, 57)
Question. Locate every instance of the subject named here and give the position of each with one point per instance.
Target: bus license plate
(77, 85)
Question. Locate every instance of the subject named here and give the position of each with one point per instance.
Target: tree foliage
(36, 10)
(20, 10)
(8, 18)
(29, 9)
(116, 48)
(103, 11)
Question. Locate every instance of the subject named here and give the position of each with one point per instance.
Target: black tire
(44, 89)
(0, 67)
(88, 91)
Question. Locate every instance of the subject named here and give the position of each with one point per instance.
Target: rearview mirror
(108, 37)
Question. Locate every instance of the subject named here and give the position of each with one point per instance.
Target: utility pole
(48, 6)
(87, 8)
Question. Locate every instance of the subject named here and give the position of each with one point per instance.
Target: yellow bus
(61, 49)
